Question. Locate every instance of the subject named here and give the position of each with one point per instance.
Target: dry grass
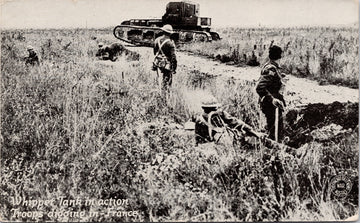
(74, 127)
(328, 55)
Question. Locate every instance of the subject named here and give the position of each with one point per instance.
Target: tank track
(145, 36)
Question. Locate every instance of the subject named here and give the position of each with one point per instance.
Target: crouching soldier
(33, 58)
(101, 54)
(109, 52)
(210, 125)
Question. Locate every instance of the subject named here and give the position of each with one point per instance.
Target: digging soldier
(165, 56)
(109, 52)
(209, 126)
(33, 58)
(271, 99)
(272, 103)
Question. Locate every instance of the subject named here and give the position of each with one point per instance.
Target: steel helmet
(167, 28)
(101, 44)
(29, 47)
(210, 102)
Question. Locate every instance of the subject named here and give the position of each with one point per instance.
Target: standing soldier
(269, 89)
(165, 57)
(33, 58)
(210, 125)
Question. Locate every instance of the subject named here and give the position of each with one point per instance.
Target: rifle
(269, 143)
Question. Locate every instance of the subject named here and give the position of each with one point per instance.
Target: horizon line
(351, 25)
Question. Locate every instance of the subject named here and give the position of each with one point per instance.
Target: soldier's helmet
(168, 29)
(210, 102)
(275, 52)
(101, 44)
(29, 47)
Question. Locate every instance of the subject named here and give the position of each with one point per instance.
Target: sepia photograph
(177, 111)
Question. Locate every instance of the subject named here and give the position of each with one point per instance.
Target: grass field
(75, 128)
(329, 55)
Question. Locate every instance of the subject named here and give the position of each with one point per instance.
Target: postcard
(158, 110)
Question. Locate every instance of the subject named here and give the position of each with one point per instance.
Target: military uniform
(210, 126)
(168, 48)
(269, 87)
(110, 52)
(32, 59)
(102, 54)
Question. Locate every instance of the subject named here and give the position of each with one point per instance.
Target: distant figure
(209, 126)
(165, 56)
(109, 52)
(253, 59)
(100, 49)
(33, 58)
(269, 90)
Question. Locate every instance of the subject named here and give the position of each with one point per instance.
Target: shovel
(277, 124)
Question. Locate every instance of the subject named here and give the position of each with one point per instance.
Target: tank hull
(182, 16)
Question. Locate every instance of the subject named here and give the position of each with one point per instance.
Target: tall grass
(77, 128)
(328, 55)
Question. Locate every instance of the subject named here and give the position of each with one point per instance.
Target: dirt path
(299, 90)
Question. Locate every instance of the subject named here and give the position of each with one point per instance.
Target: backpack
(160, 60)
(214, 125)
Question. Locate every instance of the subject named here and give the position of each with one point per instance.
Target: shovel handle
(277, 124)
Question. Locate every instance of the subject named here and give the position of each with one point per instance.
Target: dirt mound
(320, 121)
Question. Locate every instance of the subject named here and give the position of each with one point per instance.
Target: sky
(242, 13)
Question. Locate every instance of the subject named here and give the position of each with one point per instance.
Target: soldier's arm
(36, 59)
(199, 119)
(106, 52)
(266, 79)
(173, 60)
(238, 124)
(156, 47)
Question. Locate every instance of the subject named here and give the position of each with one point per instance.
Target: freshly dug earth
(339, 117)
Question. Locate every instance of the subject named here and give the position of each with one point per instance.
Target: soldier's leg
(269, 110)
(112, 56)
(167, 80)
(270, 123)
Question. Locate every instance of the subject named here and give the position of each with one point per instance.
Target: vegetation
(329, 55)
(77, 128)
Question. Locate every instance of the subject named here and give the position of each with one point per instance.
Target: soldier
(270, 95)
(210, 125)
(101, 54)
(32, 59)
(164, 46)
(109, 52)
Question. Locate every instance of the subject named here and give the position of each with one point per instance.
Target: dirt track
(302, 90)
(299, 90)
